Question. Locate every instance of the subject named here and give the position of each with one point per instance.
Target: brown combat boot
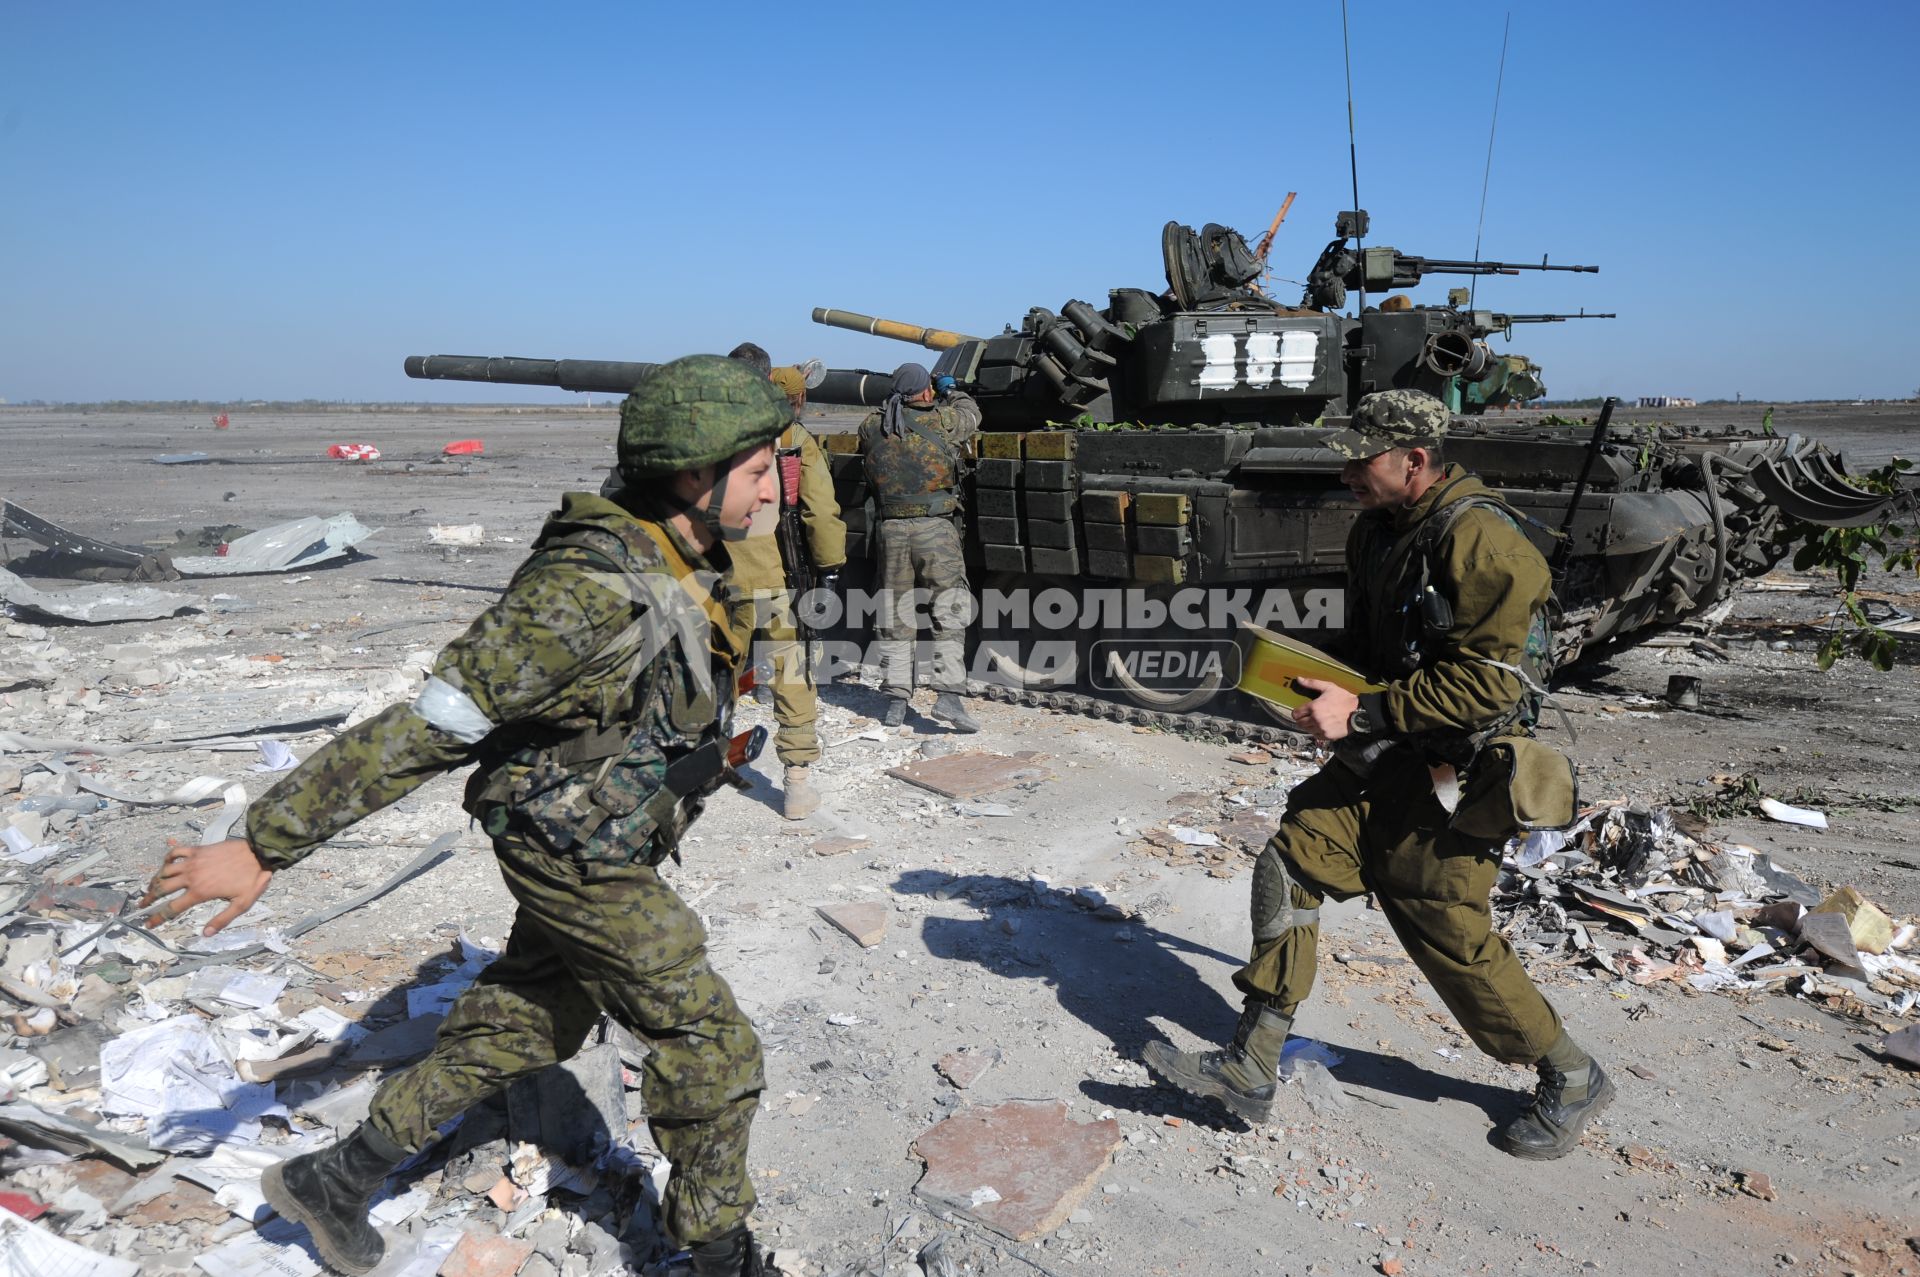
(1573, 1090)
(801, 799)
(1243, 1077)
(328, 1191)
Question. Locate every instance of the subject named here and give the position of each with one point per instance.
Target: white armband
(452, 711)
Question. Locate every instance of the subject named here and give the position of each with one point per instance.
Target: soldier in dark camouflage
(912, 450)
(595, 697)
(1445, 605)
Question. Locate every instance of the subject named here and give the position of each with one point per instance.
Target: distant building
(1667, 401)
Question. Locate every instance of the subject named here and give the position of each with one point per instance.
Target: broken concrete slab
(971, 774)
(1020, 1167)
(838, 846)
(865, 920)
(966, 1066)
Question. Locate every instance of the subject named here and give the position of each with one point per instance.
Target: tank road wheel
(1171, 672)
(1024, 656)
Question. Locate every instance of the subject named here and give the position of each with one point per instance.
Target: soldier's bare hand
(225, 870)
(1325, 716)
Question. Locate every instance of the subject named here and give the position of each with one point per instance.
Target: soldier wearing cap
(1446, 606)
(594, 697)
(913, 448)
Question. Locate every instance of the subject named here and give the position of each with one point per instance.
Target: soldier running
(1446, 603)
(594, 696)
(913, 447)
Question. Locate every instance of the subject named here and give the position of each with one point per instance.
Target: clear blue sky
(283, 201)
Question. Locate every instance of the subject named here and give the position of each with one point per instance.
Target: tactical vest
(1411, 617)
(622, 780)
(913, 474)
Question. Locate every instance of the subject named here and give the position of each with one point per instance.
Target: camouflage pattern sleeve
(374, 763)
(1495, 580)
(826, 533)
(520, 661)
(961, 418)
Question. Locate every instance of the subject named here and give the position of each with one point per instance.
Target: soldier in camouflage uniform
(594, 697)
(1446, 604)
(913, 449)
(761, 576)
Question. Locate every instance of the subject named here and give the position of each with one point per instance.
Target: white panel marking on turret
(1263, 349)
(1297, 350)
(1223, 357)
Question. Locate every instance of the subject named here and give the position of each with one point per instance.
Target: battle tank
(1153, 473)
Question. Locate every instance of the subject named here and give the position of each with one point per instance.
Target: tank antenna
(1498, 82)
(1353, 156)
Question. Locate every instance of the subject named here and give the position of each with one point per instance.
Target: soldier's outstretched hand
(226, 870)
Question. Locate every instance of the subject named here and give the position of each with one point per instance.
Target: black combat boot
(734, 1255)
(896, 712)
(948, 709)
(328, 1191)
(1573, 1089)
(1243, 1077)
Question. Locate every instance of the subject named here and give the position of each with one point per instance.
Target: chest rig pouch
(622, 785)
(1424, 616)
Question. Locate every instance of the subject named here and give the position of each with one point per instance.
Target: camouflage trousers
(1388, 835)
(916, 555)
(587, 939)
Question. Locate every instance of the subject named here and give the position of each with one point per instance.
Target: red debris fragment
(354, 452)
(464, 448)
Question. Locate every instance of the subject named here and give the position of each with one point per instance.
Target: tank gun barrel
(593, 376)
(854, 321)
(850, 386)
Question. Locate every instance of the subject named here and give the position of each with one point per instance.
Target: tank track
(1215, 726)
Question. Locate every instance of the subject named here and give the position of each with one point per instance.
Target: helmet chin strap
(716, 501)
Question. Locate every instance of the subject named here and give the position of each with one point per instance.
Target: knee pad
(1274, 908)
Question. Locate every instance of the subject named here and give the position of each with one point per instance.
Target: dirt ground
(987, 946)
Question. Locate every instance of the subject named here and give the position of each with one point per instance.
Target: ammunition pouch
(1516, 784)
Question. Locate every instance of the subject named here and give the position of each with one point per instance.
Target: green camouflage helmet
(694, 412)
(1389, 419)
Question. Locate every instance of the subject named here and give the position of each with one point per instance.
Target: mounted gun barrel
(592, 376)
(854, 321)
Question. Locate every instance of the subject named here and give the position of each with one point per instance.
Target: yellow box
(1270, 662)
(1004, 446)
(1164, 509)
(1159, 569)
(1051, 445)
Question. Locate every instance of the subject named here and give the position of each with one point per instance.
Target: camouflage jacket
(918, 473)
(1450, 664)
(611, 657)
(756, 560)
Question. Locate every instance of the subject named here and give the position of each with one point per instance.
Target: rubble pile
(1626, 893)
